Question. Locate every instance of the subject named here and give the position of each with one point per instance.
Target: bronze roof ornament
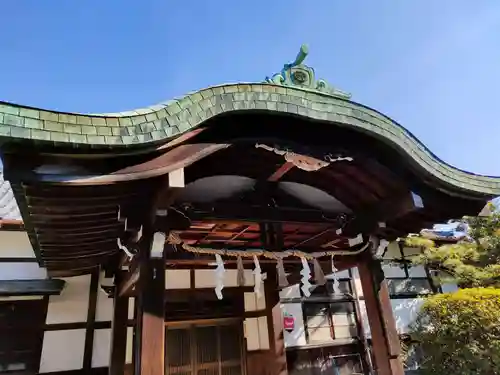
(300, 75)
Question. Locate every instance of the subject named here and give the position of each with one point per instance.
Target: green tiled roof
(167, 120)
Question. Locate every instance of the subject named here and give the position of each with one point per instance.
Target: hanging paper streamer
(280, 268)
(139, 234)
(120, 218)
(257, 277)
(319, 276)
(124, 248)
(336, 283)
(219, 276)
(240, 276)
(174, 238)
(305, 272)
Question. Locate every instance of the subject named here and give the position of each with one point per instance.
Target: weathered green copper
(165, 121)
(300, 75)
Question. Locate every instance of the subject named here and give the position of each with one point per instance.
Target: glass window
(329, 321)
(409, 286)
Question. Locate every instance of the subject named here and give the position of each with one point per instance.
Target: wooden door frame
(211, 322)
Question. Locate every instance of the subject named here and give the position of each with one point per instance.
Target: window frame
(327, 299)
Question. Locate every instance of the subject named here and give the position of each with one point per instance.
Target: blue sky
(434, 66)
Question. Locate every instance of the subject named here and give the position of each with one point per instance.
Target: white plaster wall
(177, 279)
(72, 304)
(21, 271)
(252, 302)
(62, 350)
(102, 348)
(15, 245)
(131, 307)
(206, 278)
(104, 307)
(130, 345)
(293, 291)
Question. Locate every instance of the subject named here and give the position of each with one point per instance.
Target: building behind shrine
(198, 236)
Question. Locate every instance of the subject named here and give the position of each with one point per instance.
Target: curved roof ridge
(171, 119)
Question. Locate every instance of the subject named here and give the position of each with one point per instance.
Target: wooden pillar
(150, 325)
(277, 353)
(118, 330)
(386, 347)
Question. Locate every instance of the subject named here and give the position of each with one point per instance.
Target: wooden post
(277, 361)
(118, 330)
(385, 340)
(150, 331)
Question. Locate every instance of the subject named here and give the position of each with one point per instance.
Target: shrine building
(241, 229)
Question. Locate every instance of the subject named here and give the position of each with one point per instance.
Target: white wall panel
(15, 245)
(206, 278)
(102, 348)
(293, 291)
(21, 271)
(254, 303)
(72, 304)
(177, 279)
(130, 345)
(104, 307)
(131, 307)
(62, 350)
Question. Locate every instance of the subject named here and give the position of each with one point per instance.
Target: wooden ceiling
(74, 226)
(73, 229)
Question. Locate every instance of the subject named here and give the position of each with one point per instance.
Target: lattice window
(328, 316)
(197, 349)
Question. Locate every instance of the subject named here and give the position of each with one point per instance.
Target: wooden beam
(385, 339)
(170, 160)
(118, 331)
(368, 220)
(281, 171)
(254, 213)
(151, 307)
(129, 281)
(90, 323)
(277, 353)
(46, 287)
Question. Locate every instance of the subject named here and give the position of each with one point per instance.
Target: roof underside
(365, 159)
(75, 228)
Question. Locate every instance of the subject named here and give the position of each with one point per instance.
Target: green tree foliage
(459, 332)
(470, 264)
